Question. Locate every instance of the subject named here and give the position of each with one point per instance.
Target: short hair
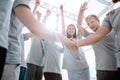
(92, 15)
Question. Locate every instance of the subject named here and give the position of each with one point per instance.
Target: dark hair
(115, 1)
(69, 36)
(92, 15)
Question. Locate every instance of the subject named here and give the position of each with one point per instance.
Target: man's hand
(71, 44)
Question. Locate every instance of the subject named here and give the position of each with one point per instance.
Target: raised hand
(48, 13)
(83, 6)
(38, 13)
(37, 3)
(61, 7)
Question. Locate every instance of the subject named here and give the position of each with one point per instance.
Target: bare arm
(46, 16)
(80, 17)
(62, 20)
(38, 28)
(33, 24)
(37, 3)
(38, 15)
(70, 46)
(94, 38)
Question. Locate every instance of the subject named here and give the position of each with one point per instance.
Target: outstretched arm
(32, 23)
(38, 28)
(95, 37)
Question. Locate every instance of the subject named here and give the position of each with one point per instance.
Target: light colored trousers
(11, 72)
(82, 74)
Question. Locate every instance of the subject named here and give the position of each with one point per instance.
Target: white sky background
(94, 7)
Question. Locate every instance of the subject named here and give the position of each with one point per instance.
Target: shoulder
(21, 2)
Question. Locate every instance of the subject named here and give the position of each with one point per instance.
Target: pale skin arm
(38, 28)
(38, 15)
(31, 23)
(70, 46)
(80, 17)
(94, 38)
(62, 20)
(46, 16)
(37, 3)
(35, 12)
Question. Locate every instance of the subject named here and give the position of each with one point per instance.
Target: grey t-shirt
(113, 21)
(22, 39)
(36, 54)
(14, 54)
(52, 58)
(105, 52)
(74, 60)
(5, 21)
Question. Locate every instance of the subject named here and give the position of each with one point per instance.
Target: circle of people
(44, 57)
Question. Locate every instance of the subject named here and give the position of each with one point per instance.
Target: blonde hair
(92, 15)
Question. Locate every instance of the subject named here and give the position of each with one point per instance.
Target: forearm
(89, 40)
(63, 22)
(81, 30)
(33, 24)
(82, 9)
(62, 19)
(95, 37)
(37, 3)
(80, 19)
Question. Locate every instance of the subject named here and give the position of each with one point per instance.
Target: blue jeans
(22, 75)
(81, 74)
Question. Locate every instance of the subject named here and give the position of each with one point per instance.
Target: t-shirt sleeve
(21, 2)
(106, 21)
(86, 33)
